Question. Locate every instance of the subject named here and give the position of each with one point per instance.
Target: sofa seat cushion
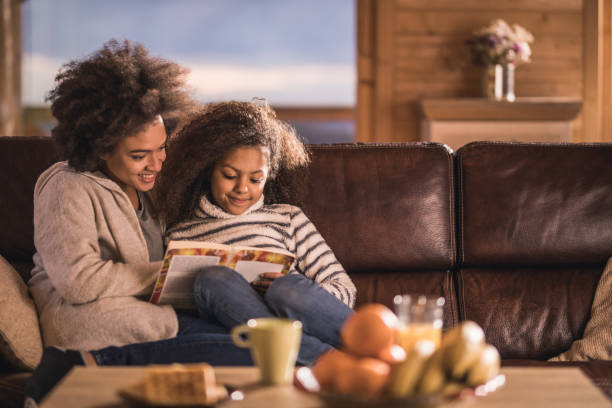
(596, 343)
(382, 287)
(528, 313)
(20, 339)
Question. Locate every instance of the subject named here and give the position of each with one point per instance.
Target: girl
(230, 172)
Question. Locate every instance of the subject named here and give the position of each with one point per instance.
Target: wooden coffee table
(542, 387)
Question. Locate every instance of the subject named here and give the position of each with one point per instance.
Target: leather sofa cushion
(381, 288)
(535, 204)
(22, 159)
(384, 207)
(528, 313)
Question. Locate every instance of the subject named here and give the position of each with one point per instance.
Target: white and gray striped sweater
(271, 227)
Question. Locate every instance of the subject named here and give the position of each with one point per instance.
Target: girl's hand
(262, 284)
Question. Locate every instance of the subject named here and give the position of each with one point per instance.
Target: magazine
(184, 259)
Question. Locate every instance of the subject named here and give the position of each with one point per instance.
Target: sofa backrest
(22, 159)
(387, 211)
(535, 231)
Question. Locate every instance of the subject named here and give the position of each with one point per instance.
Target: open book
(184, 259)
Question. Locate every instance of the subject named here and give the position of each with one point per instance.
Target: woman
(96, 233)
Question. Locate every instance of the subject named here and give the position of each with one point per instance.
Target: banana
(452, 388)
(486, 367)
(434, 374)
(405, 375)
(462, 347)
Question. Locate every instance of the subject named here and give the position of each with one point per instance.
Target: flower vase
(509, 83)
(493, 82)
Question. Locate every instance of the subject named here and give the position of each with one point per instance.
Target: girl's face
(136, 160)
(238, 179)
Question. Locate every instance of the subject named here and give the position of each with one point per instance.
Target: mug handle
(237, 333)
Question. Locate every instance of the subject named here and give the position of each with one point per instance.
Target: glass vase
(493, 82)
(509, 83)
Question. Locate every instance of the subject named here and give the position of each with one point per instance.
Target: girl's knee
(210, 275)
(288, 291)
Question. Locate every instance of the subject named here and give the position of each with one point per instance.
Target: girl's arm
(66, 235)
(317, 261)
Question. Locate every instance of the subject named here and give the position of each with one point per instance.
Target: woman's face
(238, 179)
(136, 160)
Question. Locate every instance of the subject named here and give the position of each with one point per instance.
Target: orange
(393, 354)
(366, 378)
(330, 365)
(369, 331)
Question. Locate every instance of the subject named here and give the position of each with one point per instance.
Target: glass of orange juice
(419, 318)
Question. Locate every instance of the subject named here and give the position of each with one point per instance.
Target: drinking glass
(419, 318)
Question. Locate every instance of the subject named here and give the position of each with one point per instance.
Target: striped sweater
(276, 226)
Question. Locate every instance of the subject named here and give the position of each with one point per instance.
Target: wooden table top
(525, 387)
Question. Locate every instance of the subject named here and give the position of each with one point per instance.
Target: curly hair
(112, 94)
(209, 136)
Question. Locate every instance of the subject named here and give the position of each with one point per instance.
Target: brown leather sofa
(514, 236)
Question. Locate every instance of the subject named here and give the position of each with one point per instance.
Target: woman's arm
(68, 225)
(317, 261)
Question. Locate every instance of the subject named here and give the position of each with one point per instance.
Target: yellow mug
(274, 344)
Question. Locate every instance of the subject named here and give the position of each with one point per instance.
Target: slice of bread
(182, 384)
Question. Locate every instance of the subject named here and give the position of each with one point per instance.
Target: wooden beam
(607, 72)
(365, 69)
(10, 67)
(385, 51)
(592, 70)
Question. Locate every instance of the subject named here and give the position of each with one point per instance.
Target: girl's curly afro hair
(209, 136)
(113, 93)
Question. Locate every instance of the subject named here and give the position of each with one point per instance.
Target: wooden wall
(10, 67)
(414, 49)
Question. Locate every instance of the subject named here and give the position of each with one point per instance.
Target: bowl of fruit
(370, 369)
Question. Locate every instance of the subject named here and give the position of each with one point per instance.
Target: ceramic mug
(274, 344)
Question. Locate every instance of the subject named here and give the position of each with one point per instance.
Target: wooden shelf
(457, 121)
(540, 108)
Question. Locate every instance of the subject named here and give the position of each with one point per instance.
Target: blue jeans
(224, 296)
(197, 341)
(225, 299)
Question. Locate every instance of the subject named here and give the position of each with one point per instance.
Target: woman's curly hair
(114, 93)
(209, 136)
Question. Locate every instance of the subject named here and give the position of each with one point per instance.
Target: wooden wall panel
(10, 67)
(607, 69)
(420, 52)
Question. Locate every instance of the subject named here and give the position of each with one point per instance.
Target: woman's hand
(262, 284)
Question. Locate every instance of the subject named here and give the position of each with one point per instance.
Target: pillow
(20, 339)
(596, 344)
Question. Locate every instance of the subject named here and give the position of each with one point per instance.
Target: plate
(305, 381)
(135, 395)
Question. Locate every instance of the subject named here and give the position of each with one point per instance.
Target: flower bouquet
(500, 43)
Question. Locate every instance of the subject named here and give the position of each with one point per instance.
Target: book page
(251, 262)
(180, 266)
(178, 290)
(251, 269)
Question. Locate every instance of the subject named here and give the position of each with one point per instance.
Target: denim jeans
(225, 299)
(198, 341)
(223, 295)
